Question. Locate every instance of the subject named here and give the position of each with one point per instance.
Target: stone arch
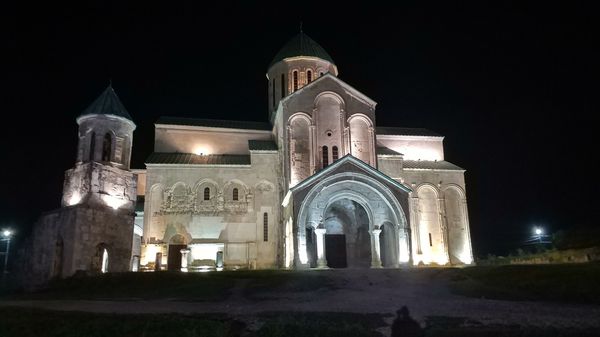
(431, 234)
(328, 111)
(361, 135)
(156, 198)
(367, 192)
(198, 191)
(264, 186)
(101, 258)
(459, 247)
(243, 190)
(109, 139)
(299, 129)
(388, 241)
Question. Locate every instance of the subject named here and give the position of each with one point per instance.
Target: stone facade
(319, 185)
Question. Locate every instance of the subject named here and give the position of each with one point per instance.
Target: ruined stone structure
(93, 231)
(319, 185)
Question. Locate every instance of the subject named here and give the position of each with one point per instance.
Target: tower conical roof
(108, 103)
(301, 45)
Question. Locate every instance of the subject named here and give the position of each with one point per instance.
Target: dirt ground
(362, 291)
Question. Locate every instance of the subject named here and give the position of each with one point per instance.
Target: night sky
(509, 86)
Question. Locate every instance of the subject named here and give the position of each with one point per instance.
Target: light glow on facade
(114, 202)
(75, 198)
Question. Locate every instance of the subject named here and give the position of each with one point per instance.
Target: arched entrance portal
(341, 220)
(347, 239)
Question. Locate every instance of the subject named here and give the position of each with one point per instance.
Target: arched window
(334, 153)
(106, 147)
(104, 267)
(320, 74)
(235, 195)
(282, 85)
(266, 227)
(92, 146)
(206, 193)
(325, 156)
(308, 76)
(295, 78)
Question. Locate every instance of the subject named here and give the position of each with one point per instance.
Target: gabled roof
(301, 45)
(262, 145)
(108, 103)
(194, 159)
(355, 161)
(327, 76)
(214, 123)
(390, 130)
(430, 165)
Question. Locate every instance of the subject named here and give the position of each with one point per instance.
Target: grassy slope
(571, 283)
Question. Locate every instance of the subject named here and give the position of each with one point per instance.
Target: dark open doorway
(174, 257)
(336, 250)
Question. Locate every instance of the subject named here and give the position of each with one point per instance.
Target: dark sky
(509, 85)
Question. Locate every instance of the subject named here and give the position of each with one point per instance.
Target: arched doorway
(388, 245)
(176, 244)
(347, 238)
(101, 259)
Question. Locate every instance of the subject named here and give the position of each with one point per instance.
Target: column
(376, 250)
(404, 251)
(185, 252)
(321, 261)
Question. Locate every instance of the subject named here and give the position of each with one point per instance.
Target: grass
(126, 286)
(568, 283)
(34, 323)
(23, 322)
(262, 285)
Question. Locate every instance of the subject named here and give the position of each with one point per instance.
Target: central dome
(301, 45)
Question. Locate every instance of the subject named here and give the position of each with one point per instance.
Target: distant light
(7, 233)
(538, 231)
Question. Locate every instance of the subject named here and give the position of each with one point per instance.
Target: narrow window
(265, 227)
(325, 157)
(273, 93)
(106, 147)
(92, 146)
(334, 153)
(295, 76)
(206, 193)
(308, 76)
(282, 85)
(320, 74)
(235, 194)
(430, 242)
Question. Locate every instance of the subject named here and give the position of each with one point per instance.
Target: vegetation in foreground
(568, 283)
(34, 322)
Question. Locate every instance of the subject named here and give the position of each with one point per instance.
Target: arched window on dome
(107, 147)
(308, 76)
(334, 153)
(325, 156)
(282, 85)
(206, 193)
(235, 195)
(295, 79)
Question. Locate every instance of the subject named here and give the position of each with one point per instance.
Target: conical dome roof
(108, 103)
(301, 45)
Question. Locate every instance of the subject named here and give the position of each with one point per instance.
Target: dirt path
(364, 292)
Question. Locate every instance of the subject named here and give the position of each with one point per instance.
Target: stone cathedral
(317, 186)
